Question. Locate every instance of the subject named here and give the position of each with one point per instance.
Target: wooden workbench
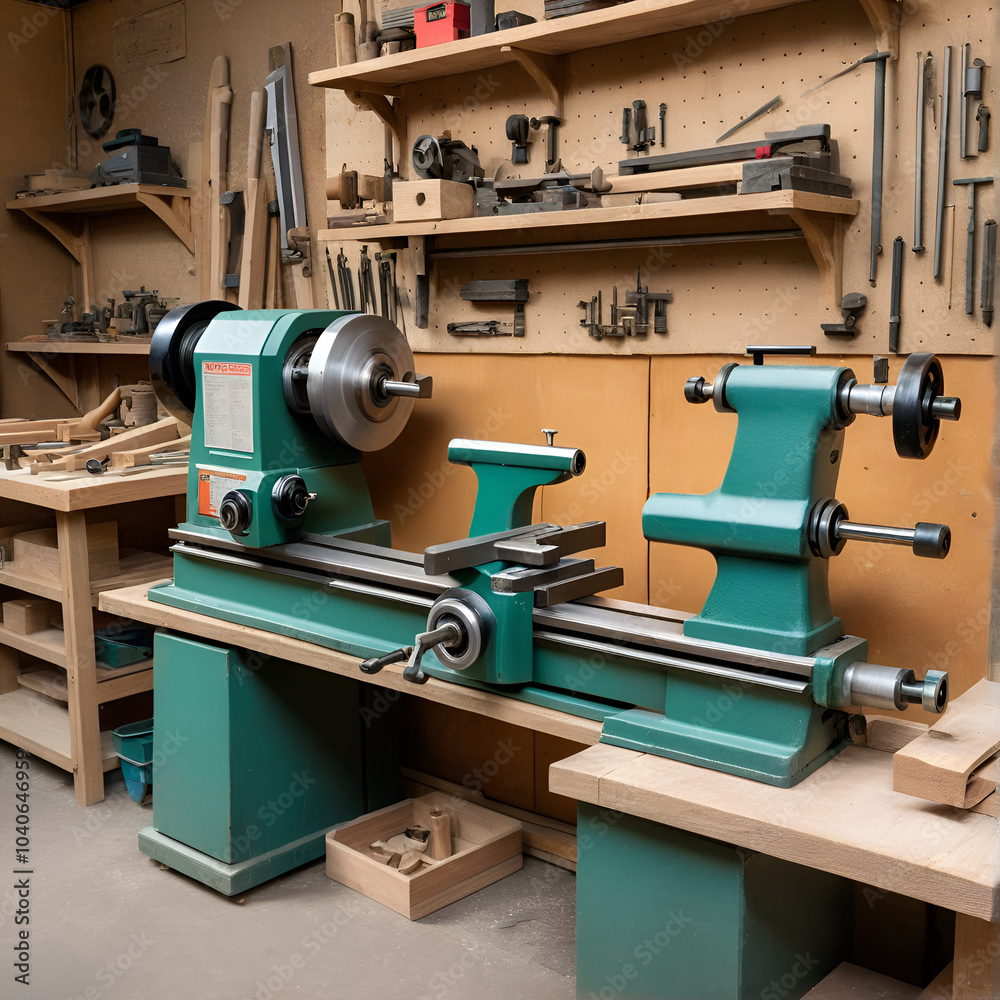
(71, 738)
(844, 819)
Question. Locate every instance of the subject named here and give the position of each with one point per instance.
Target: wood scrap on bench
(951, 763)
(162, 432)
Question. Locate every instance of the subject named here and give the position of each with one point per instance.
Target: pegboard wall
(725, 294)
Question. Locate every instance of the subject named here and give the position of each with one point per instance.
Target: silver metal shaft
(942, 163)
(918, 179)
(875, 533)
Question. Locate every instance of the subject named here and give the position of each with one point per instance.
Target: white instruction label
(227, 404)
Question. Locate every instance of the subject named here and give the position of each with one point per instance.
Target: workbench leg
(977, 959)
(81, 664)
(668, 914)
(10, 667)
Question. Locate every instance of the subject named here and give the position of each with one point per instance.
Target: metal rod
(773, 103)
(895, 295)
(878, 153)
(989, 269)
(875, 533)
(918, 178)
(661, 241)
(942, 163)
(964, 117)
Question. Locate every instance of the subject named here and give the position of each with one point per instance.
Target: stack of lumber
(62, 447)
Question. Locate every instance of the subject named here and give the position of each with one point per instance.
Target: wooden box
(37, 552)
(431, 201)
(486, 846)
(30, 614)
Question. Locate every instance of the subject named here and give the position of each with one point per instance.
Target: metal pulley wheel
(353, 359)
(428, 160)
(171, 355)
(915, 423)
(96, 101)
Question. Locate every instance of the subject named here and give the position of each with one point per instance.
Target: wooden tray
(486, 846)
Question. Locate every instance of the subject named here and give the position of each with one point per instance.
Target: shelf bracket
(545, 70)
(175, 213)
(65, 383)
(70, 240)
(390, 113)
(884, 16)
(824, 233)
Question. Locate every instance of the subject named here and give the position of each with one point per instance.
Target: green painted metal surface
(670, 915)
(770, 591)
(273, 440)
(252, 754)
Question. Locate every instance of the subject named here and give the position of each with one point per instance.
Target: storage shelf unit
(31, 717)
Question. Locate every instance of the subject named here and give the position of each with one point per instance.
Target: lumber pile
(89, 445)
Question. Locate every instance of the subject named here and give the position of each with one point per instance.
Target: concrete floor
(107, 922)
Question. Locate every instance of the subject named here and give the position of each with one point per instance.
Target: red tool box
(441, 22)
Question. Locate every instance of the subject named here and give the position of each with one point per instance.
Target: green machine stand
(255, 758)
(667, 915)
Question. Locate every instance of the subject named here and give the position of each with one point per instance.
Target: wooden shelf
(49, 345)
(537, 47)
(112, 684)
(819, 217)
(170, 204)
(37, 724)
(47, 644)
(134, 569)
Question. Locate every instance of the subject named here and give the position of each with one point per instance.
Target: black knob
(932, 541)
(290, 497)
(236, 512)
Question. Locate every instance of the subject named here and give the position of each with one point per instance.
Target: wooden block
(938, 764)
(30, 614)
(37, 552)
(427, 201)
(487, 846)
(890, 735)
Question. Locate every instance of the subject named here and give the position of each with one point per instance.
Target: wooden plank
(903, 844)
(109, 687)
(81, 676)
(889, 735)
(637, 19)
(976, 970)
(94, 200)
(138, 437)
(252, 270)
(93, 491)
(47, 345)
(133, 603)
(937, 765)
(32, 722)
(48, 644)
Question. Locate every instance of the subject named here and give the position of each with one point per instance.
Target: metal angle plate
(353, 355)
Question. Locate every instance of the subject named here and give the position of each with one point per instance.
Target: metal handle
(448, 634)
(932, 541)
(375, 664)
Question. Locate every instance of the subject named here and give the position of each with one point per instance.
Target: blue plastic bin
(134, 746)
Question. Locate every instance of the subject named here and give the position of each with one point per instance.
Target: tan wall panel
(35, 272)
(917, 613)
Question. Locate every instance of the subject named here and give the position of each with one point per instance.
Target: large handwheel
(915, 424)
(350, 363)
(171, 355)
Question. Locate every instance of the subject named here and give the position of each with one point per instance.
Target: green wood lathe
(281, 535)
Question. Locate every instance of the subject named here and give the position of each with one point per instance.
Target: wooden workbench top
(82, 492)
(845, 819)
(133, 603)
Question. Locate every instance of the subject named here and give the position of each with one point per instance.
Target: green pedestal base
(230, 879)
(667, 914)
